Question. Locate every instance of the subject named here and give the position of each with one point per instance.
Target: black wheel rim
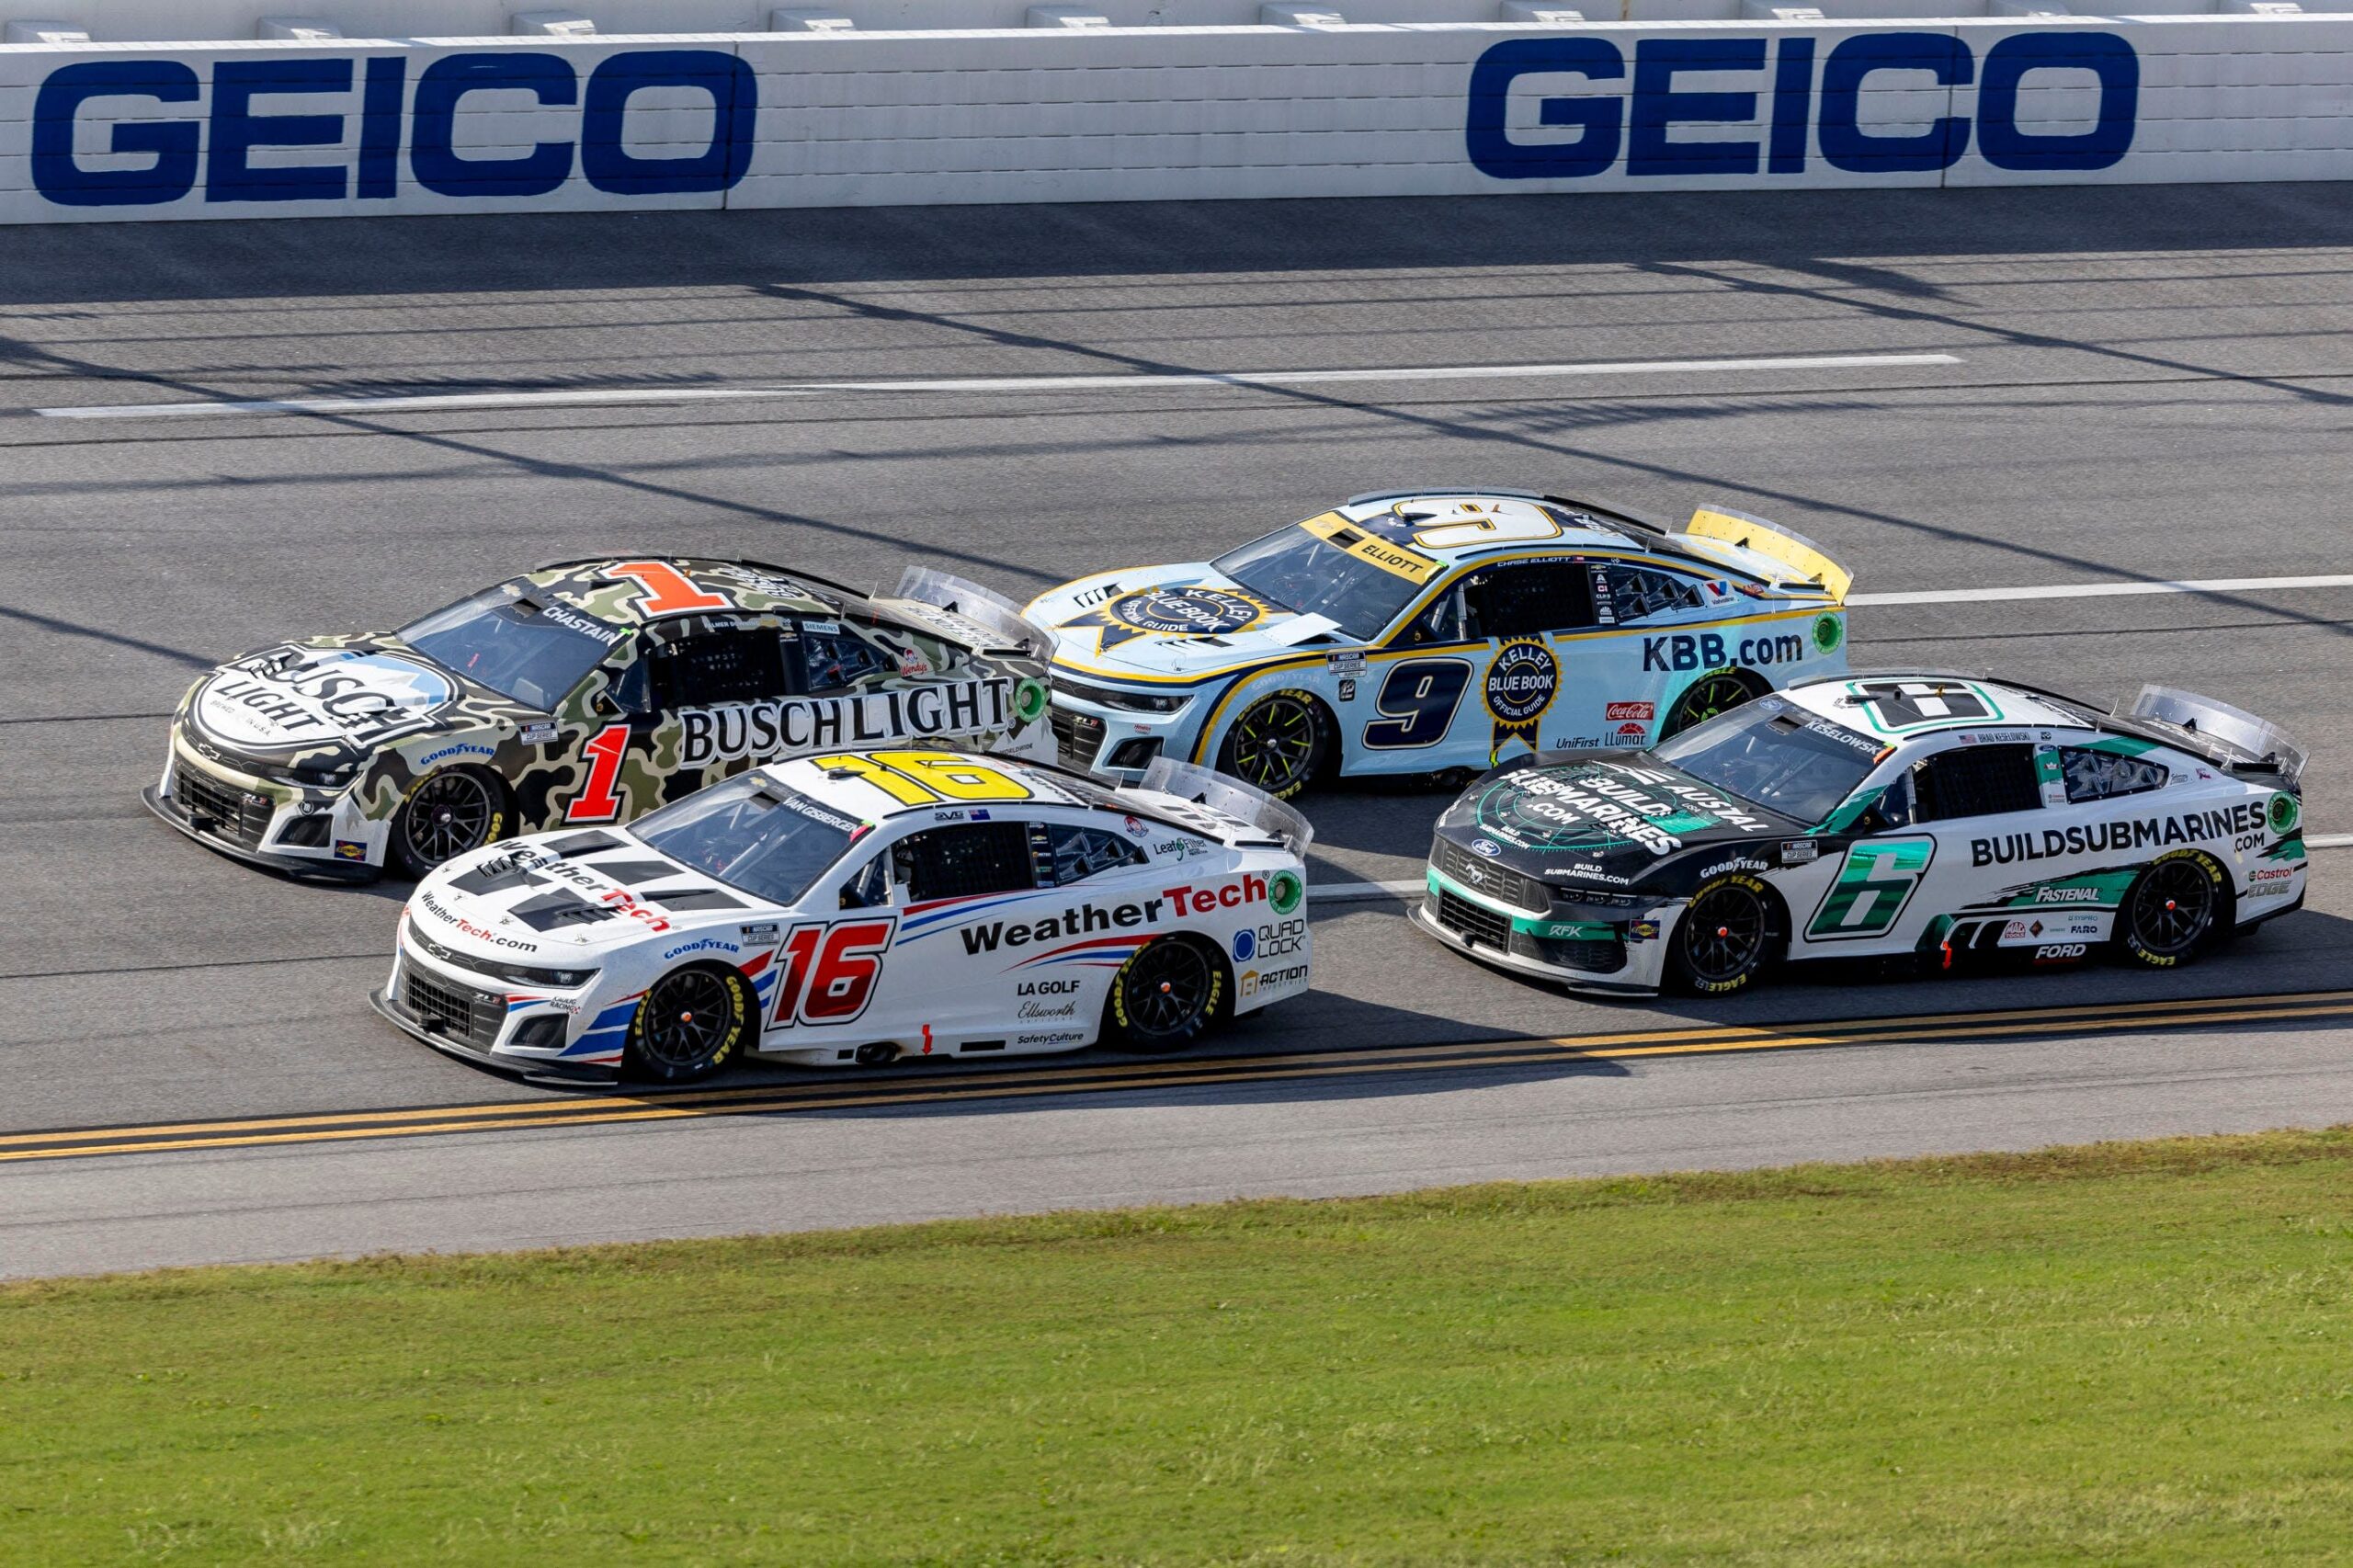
(1273, 744)
(1723, 933)
(1164, 990)
(2173, 907)
(688, 1017)
(1704, 701)
(449, 814)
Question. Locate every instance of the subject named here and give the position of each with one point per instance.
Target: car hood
(1183, 619)
(570, 895)
(1611, 820)
(335, 699)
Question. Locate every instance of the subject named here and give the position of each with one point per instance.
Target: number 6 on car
(861, 906)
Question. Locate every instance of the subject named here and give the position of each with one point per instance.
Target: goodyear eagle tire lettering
(2175, 907)
(1165, 994)
(689, 1025)
(1728, 937)
(1279, 742)
(447, 813)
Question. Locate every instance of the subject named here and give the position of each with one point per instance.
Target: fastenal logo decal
(1173, 612)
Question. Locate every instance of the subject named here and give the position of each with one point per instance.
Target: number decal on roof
(1895, 706)
(927, 778)
(1471, 524)
(666, 590)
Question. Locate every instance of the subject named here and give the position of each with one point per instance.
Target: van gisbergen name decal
(793, 724)
(1793, 109)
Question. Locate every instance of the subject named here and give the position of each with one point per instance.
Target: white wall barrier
(308, 125)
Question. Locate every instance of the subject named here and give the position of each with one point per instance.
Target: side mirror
(603, 705)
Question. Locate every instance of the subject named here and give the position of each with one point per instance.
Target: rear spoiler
(995, 623)
(1800, 554)
(2218, 731)
(1230, 797)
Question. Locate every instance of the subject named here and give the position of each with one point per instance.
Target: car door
(1980, 803)
(1521, 611)
(1619, 692)
(966, 924)
(696, 706)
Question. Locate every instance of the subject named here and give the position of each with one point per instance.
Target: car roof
(625, 590)
(2013, 707)
(1410, 513)
(845, 789)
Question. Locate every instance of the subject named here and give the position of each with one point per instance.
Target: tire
(1731, 934)
(447, 814)
(1716, 692)
(690, 1025)
(1279, 744)
(2174, 910)
(1165, 996)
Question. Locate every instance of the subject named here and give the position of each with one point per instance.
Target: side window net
(720, 666)
(2097, 775)
(838, 658)
(967, 860)
(1976, 781)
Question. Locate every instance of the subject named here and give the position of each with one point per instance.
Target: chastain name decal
(2111, 837)
(816, 723)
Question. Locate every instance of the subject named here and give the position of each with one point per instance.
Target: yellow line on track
(604, 1111)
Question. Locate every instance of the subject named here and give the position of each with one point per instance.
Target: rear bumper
(325, 868)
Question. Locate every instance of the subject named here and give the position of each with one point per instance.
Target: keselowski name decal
(792, 724)
(2111, 837)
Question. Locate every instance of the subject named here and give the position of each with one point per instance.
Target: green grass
(2131, 1353)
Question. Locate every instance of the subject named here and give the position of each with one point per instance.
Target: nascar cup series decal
(1173, 612)
(1521, 685)
(290, 698)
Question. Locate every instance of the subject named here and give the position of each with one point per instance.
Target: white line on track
(434, 402)
(2100, 590)
(1366, 892)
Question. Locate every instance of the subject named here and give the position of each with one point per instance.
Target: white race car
(1958, 819)
(1434, 631)
(859, 907)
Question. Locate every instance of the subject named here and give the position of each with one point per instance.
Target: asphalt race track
(2001, 389)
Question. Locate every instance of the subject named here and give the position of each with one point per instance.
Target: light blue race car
(1430, 631)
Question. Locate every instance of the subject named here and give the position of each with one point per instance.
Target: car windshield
(754, 835)
(1771, 753)
(1296, 570)
(520, 647)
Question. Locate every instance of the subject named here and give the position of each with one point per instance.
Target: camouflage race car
(585, 693)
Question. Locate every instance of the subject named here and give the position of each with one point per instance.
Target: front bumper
(301, 829)
(1628, 961)
(1119, 744)
(303, 865)
(474, 1020)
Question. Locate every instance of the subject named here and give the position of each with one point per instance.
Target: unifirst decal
(789, 726)
(1791, 109)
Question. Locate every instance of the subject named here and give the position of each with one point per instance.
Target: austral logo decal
(1173, 612)
(1521, 684)
(793, 725)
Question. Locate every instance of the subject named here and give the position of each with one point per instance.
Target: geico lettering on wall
(1804, 112)
(398, 128)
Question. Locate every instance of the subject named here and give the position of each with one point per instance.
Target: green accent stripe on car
(1521, 921)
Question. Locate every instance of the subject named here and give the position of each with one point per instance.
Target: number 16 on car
(862, 906)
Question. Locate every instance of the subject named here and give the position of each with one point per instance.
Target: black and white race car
(1910, 813)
